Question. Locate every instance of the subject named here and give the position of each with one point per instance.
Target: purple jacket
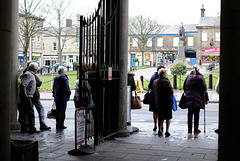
(194, 88)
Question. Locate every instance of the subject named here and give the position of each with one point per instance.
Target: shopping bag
(136, 102)
(174, 104)
(182, 102)
(53, 112)
(146, 98)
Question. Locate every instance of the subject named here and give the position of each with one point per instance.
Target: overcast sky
(168, 12)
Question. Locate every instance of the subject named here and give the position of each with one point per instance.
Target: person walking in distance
(194, 87)
(27, 90)
(163, 92)
(61, 94)
(152, 105)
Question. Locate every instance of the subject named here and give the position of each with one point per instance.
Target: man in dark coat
(194, 88)
(163, 92)
(61, 94)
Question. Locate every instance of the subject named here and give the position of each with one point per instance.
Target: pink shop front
(210, 55)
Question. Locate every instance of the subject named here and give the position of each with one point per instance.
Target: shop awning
(190, 54)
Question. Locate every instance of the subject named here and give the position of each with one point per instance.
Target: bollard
(210, 81)
(175, 81)
(141, 77)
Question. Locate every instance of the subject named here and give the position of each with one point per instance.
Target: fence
(177, 81)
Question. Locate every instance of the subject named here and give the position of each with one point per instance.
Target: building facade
(35, 50)
(69, 45)
(201, 44)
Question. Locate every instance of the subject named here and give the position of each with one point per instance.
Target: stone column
(8, 25)
(229, 81)
(14, 68)
(123, 45)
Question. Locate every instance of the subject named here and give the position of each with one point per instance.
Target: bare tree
(30, 22)
(59, 13)
(143, 28)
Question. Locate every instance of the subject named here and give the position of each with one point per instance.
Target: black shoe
(61, 127)
(216, 131)
(44, 127)
(167, 134)
(155, 129)
(159, 133)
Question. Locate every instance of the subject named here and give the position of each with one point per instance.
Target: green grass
(47, 83)
(72, 75)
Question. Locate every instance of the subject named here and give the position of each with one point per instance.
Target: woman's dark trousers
(192, 111)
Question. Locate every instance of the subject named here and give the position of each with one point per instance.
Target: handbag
(136, 102)
(174, 103)
(53, 112)
(146, 98)
(182, 102)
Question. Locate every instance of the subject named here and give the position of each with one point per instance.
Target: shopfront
(21, 59)
(169, 56)
(210, 55)
(36, 58)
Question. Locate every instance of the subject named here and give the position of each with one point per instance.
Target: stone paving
(143, 145)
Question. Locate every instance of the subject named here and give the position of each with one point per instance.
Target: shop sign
(36, 54)
(20, 53)
(170, 52)
(210, 50)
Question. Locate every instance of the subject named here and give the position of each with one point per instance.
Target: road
(142, 119)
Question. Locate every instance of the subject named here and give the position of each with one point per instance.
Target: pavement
(142, 145)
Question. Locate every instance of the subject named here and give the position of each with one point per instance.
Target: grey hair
(61, 69)
(33, 66)
(195, 69)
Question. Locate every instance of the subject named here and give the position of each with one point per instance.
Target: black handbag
(146, 98)
(182, 102)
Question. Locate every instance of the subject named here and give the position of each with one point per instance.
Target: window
(54, 46)
(190, 41)
(38, 45)
(217, 36)
(77, 44)
(43, 46)
(64, 43)
(159, 41)
(204, 36)
(149, 42)
(38, 38)
(33, 38)
(134, 42)
(175, 41)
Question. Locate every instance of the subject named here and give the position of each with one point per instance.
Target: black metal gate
(98, 61)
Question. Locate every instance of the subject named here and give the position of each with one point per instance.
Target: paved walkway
(143, 145)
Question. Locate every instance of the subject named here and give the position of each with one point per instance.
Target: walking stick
(204, 121)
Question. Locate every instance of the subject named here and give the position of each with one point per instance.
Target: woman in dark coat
(163, 91)
(194, 88)
(152, 105)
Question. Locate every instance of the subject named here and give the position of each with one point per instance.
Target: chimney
(202, 11)
(68, 22)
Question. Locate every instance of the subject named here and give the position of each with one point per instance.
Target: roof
(208, 21)
(67, 31)
(189, 28)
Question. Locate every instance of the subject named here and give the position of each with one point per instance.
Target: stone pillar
(8, 25)
(181, 51)
(229, 81)
(123, 45)
(14, 68)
